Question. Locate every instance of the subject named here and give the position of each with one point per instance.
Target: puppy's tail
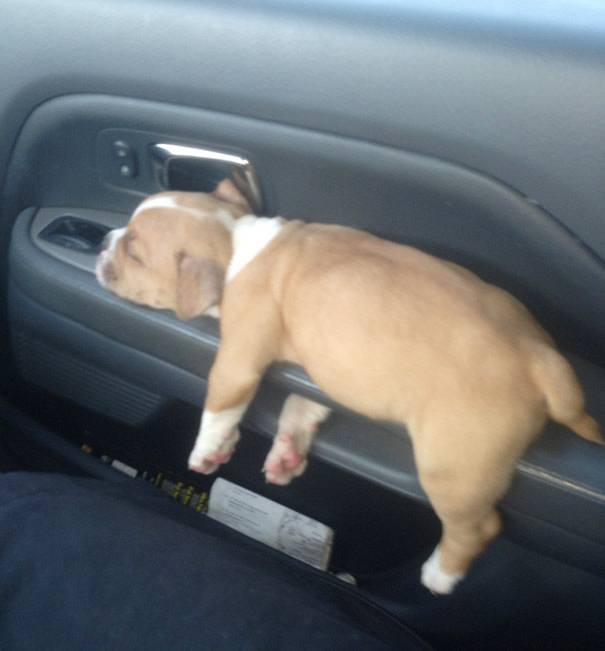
(563, 393)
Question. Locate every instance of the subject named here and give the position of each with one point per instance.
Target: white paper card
(271, 523)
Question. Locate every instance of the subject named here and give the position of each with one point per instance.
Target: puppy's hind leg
(464, 537)
(463, 497)
(297, 428)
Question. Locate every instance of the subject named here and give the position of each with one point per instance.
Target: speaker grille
(72, 378)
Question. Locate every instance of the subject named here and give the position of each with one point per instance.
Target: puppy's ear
(199, 286)
(228, 191)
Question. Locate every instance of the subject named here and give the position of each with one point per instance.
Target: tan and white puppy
(382, 328)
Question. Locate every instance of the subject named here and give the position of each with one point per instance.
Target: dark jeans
(86, 564)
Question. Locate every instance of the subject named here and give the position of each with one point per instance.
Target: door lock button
(125, 158)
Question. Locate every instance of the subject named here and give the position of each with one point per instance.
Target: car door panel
(440, 206)
(75, 339)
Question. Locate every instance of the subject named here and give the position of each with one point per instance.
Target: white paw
(207, 459)
(437, 580)
(284, 461)
(298, 423)
(302, 416)
(216, 440)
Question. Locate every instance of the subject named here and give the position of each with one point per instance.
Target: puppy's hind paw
(437, 580)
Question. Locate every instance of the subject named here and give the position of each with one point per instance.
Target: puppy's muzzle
(105, 269)
(106, 272)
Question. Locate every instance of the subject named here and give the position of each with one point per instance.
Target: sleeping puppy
(382, 328)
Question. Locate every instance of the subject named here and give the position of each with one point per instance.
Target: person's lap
(87, 565)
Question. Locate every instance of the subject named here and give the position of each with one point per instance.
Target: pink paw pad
(290, 457)
(218, 457)
(284, 461)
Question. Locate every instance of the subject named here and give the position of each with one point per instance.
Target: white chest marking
(250, 236)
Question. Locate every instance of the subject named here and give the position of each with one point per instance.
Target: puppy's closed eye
(129, 249)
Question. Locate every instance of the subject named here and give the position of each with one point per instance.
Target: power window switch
(125, 159)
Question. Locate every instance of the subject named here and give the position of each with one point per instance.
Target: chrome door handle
(179, 167)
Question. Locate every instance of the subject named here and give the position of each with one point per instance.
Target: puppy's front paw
(298, 424)
(284, 461)
(437, 580)
(206, 459)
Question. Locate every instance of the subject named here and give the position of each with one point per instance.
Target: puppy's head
(175, 250)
